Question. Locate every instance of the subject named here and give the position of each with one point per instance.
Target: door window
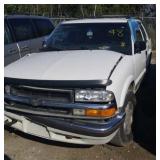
(143, 32)
(44, 26)
(22, 29)
(139, 35)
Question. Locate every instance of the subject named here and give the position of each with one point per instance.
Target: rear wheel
(124, 135)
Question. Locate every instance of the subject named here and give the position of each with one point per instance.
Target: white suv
(81, 88)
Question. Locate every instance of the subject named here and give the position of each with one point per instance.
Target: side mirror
(139, 46)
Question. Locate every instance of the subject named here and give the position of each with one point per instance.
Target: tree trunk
(81, 8)
(95, 7)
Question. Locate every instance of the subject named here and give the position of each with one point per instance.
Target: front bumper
(40, 120)
(63, 130)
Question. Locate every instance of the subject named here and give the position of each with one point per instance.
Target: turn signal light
(109, 112)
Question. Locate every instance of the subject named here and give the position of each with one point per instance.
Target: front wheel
(124, 135)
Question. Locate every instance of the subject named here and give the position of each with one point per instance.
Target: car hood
(64, 65)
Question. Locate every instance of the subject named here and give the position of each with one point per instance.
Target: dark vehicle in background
(24, 34)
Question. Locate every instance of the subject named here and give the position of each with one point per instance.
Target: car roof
(25, 16)
(98, 20)
(101, 20)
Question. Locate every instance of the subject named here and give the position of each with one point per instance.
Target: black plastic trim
(114, 67)
(58, 83)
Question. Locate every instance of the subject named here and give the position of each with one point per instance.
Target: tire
(124, 135)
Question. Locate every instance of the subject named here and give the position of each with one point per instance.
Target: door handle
(12, 51)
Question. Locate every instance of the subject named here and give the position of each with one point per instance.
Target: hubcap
(127, 126)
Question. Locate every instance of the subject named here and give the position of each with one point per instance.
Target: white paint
(97, 20)
(121, 78)
(64, 65)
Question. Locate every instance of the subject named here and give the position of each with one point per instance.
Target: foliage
(81, 10)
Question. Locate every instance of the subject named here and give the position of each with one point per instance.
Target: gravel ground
(19, 146)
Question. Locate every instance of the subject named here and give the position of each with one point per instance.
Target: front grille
(55, 95)
(37, 109)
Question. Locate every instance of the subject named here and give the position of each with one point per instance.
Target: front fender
(126, 86)
(122, 77)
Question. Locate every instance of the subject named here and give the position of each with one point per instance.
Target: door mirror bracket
(139, 46)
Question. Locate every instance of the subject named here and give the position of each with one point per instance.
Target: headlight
(93, 96)
(7, 89)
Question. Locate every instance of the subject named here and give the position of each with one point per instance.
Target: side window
(44, 26)
(7, 35)
(139, 35)
(22, 29)
(143, 32)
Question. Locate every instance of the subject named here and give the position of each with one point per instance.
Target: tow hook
(10, 123)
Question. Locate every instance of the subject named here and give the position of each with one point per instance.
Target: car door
(11, 50)
(23, 31)
(43, 28)
(139, 57)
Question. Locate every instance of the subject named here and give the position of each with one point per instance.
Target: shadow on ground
(145, 113)
(6, 157)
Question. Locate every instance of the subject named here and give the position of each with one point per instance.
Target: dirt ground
(19, 146)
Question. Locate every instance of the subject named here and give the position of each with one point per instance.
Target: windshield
(91, 36)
